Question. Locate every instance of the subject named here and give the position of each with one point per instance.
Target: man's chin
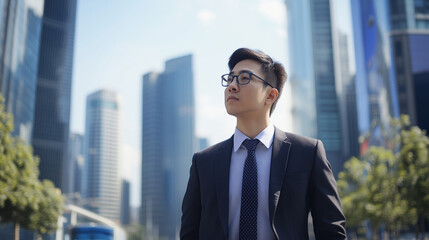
(231, 112)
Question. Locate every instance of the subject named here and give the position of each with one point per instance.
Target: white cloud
(275, 10)
(206, 16)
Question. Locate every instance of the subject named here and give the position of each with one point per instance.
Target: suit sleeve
(191, 206)
(328, 218)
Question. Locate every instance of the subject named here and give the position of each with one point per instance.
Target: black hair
(274, 71)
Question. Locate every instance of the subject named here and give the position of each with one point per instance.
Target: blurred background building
(168, 142)
(20, 39)
(76, 162)
(315, 106)
(125, 203)
(36, 56)
(409, 22)
(53, 92)
(376, 97)
(102, 180)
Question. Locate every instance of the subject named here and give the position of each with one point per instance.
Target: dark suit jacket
(301, 181)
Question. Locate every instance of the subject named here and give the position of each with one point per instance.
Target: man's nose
(234, 85)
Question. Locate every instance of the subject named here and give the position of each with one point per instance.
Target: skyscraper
(346, 93)
(168, 142)
(102, 154)
(20, 29)
(410, 37)
(315, 108)
(53, 96)
(376, 97)
(125, 203)
(75, 163)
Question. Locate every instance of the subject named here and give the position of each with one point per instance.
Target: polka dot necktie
(249, 194)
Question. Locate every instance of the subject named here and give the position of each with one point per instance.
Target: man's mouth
(232, 98)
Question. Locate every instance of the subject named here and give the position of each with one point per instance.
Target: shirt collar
(266, 137)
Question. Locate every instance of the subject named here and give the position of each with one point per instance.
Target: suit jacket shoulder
(215, 149)
(301, 140)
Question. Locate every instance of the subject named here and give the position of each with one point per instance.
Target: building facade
(346, 93)
(168, 142)
(315, 107)
(20, 30)
(75, 165)
(410, 37)
(376, 97)
(53, 93)
(125, 203)
(102, 179)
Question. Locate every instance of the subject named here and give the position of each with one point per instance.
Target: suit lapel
(222, 165)
(279, 160)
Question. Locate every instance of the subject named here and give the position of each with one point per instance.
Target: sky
(116, 42)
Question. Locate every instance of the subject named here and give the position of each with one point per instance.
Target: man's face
(250, 99)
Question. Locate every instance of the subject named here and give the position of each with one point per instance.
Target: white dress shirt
(263, 160)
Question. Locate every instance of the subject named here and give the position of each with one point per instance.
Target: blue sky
(119, 41)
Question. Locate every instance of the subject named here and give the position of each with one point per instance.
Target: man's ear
(272, 96)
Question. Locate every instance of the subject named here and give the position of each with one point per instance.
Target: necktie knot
(251, 144)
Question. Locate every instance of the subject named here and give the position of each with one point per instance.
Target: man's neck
(252, 127)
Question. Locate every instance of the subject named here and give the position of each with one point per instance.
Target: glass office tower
(410, 37)
(168, 143)
(315, 108)
(75, 163)
(53, 94)
(375, 80)
(20, 29)
(102, 179)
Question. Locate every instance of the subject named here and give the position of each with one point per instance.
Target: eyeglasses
(243, 78)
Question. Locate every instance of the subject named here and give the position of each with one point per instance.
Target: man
(262, 182)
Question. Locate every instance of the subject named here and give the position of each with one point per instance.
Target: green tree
(18, 176)
(23, 198)
(384, 205)
(353, 191)
(389, 187)
(413, 170)
(50, 207)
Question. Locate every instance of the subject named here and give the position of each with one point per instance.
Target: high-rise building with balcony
(102, 180)
(168, 142)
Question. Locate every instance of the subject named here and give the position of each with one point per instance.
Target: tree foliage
(24, 200)
(50, 207)
(413, 169)
(388, 187)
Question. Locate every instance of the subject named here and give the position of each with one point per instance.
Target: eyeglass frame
(236, 76)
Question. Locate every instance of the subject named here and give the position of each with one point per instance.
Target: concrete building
(102, 180)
